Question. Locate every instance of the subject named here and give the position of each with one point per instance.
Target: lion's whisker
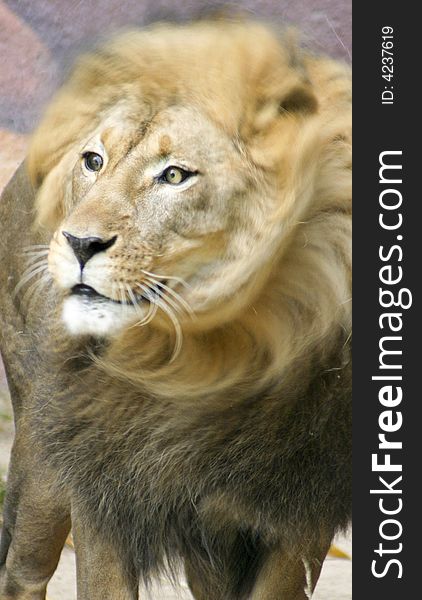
(33, 268)
(28, 275)
(35, 288)
(166, 299)
(177, 328)
(35, 247)
(152, 310)
(148, 291)
(131, 295)
(121, 293)
(35, 254)
(37, 261)
(162, 303)
(177, 297)
(156, 276)
(34, 262)
(134, 301)
(150, 295)
(114, 293)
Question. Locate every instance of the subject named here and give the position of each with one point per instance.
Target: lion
(175, 297)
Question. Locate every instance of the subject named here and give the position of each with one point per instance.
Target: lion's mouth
(87, 291)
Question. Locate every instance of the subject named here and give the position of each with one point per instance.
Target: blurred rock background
(39, 40)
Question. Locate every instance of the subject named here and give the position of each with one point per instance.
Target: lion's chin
(97, 317)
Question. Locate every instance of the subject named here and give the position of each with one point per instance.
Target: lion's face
(173, 170)
(156, 216)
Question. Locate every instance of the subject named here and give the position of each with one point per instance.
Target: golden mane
(298, 301)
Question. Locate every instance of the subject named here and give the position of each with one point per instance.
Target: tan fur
(197, 407)
(269, 265)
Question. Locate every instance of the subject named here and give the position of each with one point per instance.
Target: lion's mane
(289, 114)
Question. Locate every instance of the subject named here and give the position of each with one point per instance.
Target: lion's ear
(299, 99)
(294, 98)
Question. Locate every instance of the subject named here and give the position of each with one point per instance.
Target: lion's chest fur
(159, 476)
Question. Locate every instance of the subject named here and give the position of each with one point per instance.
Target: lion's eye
(174, 175)
(93, 161)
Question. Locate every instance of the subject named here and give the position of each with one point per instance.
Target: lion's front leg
(35, 525)
(289, 576)
(101, 572)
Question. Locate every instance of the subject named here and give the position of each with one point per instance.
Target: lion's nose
(85, 248)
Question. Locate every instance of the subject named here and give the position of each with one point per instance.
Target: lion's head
(196, 178)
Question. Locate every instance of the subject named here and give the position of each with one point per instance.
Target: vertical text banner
(387, 236)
